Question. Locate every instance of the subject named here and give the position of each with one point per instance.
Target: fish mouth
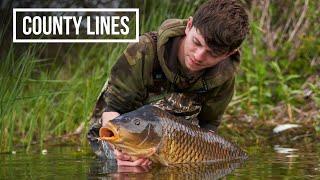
(109, 133)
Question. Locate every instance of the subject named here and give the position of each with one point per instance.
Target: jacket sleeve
(215, 104)
(126, 88)
(121, 93)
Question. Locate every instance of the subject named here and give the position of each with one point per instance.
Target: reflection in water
(75, 163)
(283, 150)
(109, 170)
(289, 151)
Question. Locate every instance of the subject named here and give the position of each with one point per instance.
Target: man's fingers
(107, 116)
(125, 157)
(129, 163)
(146, 162)
(126, 160)
(122, 156)
(139, 162)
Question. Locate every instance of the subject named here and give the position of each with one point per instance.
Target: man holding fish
(187, 68)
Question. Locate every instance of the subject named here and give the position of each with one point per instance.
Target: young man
(187, 68)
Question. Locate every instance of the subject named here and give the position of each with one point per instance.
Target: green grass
(43, 98)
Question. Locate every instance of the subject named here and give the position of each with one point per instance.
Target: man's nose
(199, 54)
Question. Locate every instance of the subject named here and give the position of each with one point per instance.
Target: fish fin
(158, 159)
(151, 152)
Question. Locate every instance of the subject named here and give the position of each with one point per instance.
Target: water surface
(269, 162)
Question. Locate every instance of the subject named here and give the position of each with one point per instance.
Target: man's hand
(122, 158)
(126, 160)
(107, 116)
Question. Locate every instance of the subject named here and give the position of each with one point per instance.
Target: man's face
(196, 54)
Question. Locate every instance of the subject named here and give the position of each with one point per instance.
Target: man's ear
(189, 25)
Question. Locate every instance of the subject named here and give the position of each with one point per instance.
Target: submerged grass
(43, 98)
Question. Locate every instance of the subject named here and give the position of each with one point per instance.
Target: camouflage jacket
(134, 82)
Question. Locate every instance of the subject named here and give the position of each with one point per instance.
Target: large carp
(166, 139)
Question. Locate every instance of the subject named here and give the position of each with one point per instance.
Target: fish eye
(137, 122)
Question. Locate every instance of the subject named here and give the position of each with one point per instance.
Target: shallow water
(273, 162)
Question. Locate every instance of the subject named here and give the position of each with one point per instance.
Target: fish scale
(189, 143)
(167, 139)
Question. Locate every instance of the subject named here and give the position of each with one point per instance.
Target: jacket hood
(213, 77)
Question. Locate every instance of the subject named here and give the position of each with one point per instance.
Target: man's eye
(196, 42)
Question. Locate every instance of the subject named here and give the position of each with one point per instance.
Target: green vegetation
(280, 67)
(44, 97)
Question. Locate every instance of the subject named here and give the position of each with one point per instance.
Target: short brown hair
(222, 23)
